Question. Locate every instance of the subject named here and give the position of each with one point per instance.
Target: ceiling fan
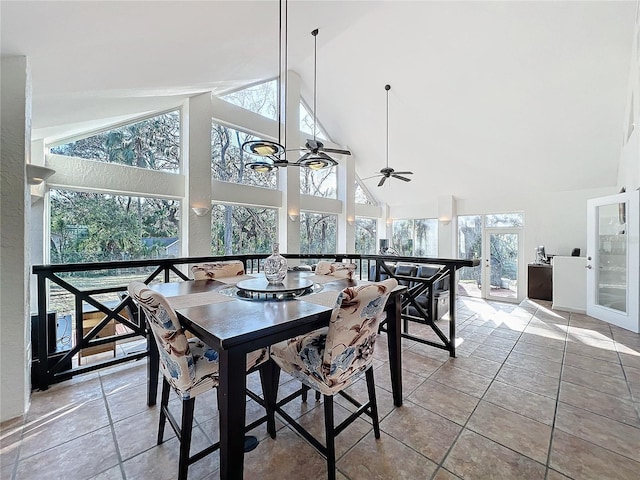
(387, 171)
(317, 154)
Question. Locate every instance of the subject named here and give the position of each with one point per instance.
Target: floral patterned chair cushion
(209, 271)
(336, 269)
(332, 358)
(190, 366)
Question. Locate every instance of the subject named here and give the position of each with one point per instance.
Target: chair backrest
(353, 330)
(406, 270)
(336, 269)
(176, 361)
(210, 271)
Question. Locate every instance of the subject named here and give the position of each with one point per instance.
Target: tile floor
(533, 394)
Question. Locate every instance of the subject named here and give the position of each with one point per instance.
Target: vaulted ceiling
(497, 97)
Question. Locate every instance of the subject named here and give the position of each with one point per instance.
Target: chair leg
(164, 405)
(185, 437)
(305, 391)
(269, 377)
(373, 404)
(330, 436)
(318, 395)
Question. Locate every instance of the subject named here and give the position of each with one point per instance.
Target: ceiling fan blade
(372, 176)
(337, 150)
(382, 180)
(403, 173)
(405, 179)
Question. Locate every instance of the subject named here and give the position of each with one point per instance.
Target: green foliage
(153, 143)
(93, 227)
(252, 230)
(317, 232)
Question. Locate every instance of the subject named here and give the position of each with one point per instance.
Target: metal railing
(52, 365)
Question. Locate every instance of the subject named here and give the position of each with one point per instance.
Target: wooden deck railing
(51, 365)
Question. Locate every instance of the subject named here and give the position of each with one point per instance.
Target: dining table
(238, 315)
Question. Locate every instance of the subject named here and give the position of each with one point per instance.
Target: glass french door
(612, 259)
(497, 240)
(502, 267)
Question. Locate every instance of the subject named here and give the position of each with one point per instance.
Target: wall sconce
(200, 211)
(36, 174)
(351, 221)
(446, 207)
(294, 217)
(389, 221)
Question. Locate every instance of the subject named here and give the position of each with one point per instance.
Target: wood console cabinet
(540, 281)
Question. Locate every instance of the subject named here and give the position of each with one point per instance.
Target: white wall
(557, 220)
(15, 329)
(629, 172)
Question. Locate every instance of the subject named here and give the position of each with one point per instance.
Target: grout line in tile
(113, 431)
(464, 427)
(555, 410)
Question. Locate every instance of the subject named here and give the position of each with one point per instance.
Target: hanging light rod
(269, 150)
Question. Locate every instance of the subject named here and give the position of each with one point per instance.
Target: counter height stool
(332, 358)
(211, 271)
(336, 269)
(188, 366)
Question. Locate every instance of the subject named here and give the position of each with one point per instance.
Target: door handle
(588, 266)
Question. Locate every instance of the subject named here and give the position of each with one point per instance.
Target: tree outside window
(228, 160)
(318, 232)
(153, 143)
(96, 227)
(236, 229)
(366, 234)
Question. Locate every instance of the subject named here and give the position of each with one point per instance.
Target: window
(318, 232)
(418, 238)
(320, 183)
(361, 195)
(238, 229)
(504, 220)
(97, 227)
(153, 143)
(425, 237)
(228, 160)
(261, 99)
(469, 247)
(402, 238)
(366, 234)
(306, 123)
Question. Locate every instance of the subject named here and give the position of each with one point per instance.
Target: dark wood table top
(234, 321)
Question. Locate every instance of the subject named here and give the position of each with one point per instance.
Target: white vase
(275, 266)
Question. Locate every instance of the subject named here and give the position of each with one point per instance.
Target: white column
(196, 155)
(446, 226)
(346, 178)
(289, 178)
(15, 326)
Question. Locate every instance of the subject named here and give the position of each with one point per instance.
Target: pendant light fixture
(271, 151)
(316, 159)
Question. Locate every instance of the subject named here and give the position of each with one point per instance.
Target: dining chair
(211, 271)
(189, 367)
(332, 358)
(336, 269)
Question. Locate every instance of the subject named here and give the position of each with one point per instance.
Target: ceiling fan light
(263, 148)
(261, 167)
(317, 162)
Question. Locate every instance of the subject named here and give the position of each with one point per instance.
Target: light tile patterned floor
(533, 394)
